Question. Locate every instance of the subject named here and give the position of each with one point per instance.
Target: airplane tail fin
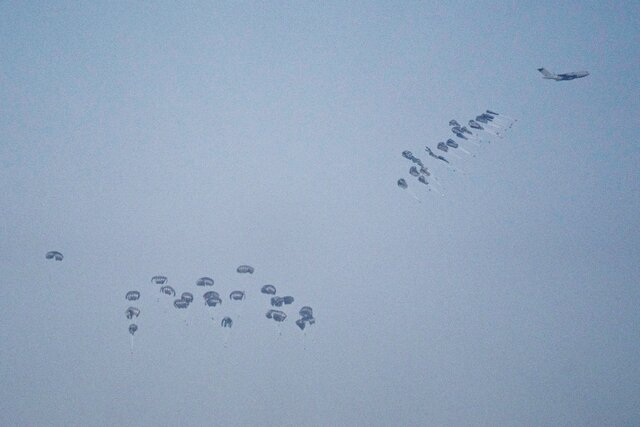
(547, 74)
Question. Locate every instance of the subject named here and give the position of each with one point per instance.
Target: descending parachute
(301, 323)
(168, 290)
(277, 301)
(226, 322)
(409, 155)
(425, 171)
(451, 143)
(245, 269)
(187, 296)
(428, 150)
(132, 295)
(277, 315)
(443, 147)
(475, 125)
(402, 183)
(132, 312)
(454, 123)
(212, 298)
(414, 171)
(159, 280)
(236, 296)
(306, 312)
(180, 303)
(133, 328)
(287, 300)
(54, 255)
(213, 301)
(268, 289)
(204, 281)
(211, 294)
(423, 180)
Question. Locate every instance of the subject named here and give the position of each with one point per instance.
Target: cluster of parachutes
(487, 123)
(213, 299)
(131, 311)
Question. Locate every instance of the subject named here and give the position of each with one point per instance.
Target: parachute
(451, 143)
(168, 290)
(54, 255)
(236, 296)
(301, 323)
(454, 123)
(159, 280)
(407, 155)
(414, 171)
(428, 150)
(132, 312)
(277, 301)
(287, 300)
(268, 290)
(187, 296)
(204, 281)
(245, 269)
(132, 295)
(475, 125)
(423, 180)
(226, 322)
(443, 147)
(133, 328)
(425, 171)
(402, 183)
(211, 294)
(180, 303)
(213, 301)
(277, 315)
(306, 312)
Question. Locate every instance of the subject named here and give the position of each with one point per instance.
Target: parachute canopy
(213, 301)
(236, 296)
(159, 280)
(180, 303)
(245, 269)
(402, 183)
(132, 312)
(54, 255)
(301, 323)
(287, 300)
(132, 295)
(268, 289)
(133, 328)
(187, 296)
(414, 171)
(204, 281)
(277, 315)
(226, 322)
(168, 290)
(306, 312)
(443, 147)
(451, 143)
(211, 294)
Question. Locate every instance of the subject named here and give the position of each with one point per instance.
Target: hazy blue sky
(143, 138)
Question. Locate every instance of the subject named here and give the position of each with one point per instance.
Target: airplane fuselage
(565, 76)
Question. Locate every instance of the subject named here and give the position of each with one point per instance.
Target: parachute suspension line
(131, 346)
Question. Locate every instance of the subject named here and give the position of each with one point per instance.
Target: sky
(154, 138)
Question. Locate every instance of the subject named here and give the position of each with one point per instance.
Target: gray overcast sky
(143, 138)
